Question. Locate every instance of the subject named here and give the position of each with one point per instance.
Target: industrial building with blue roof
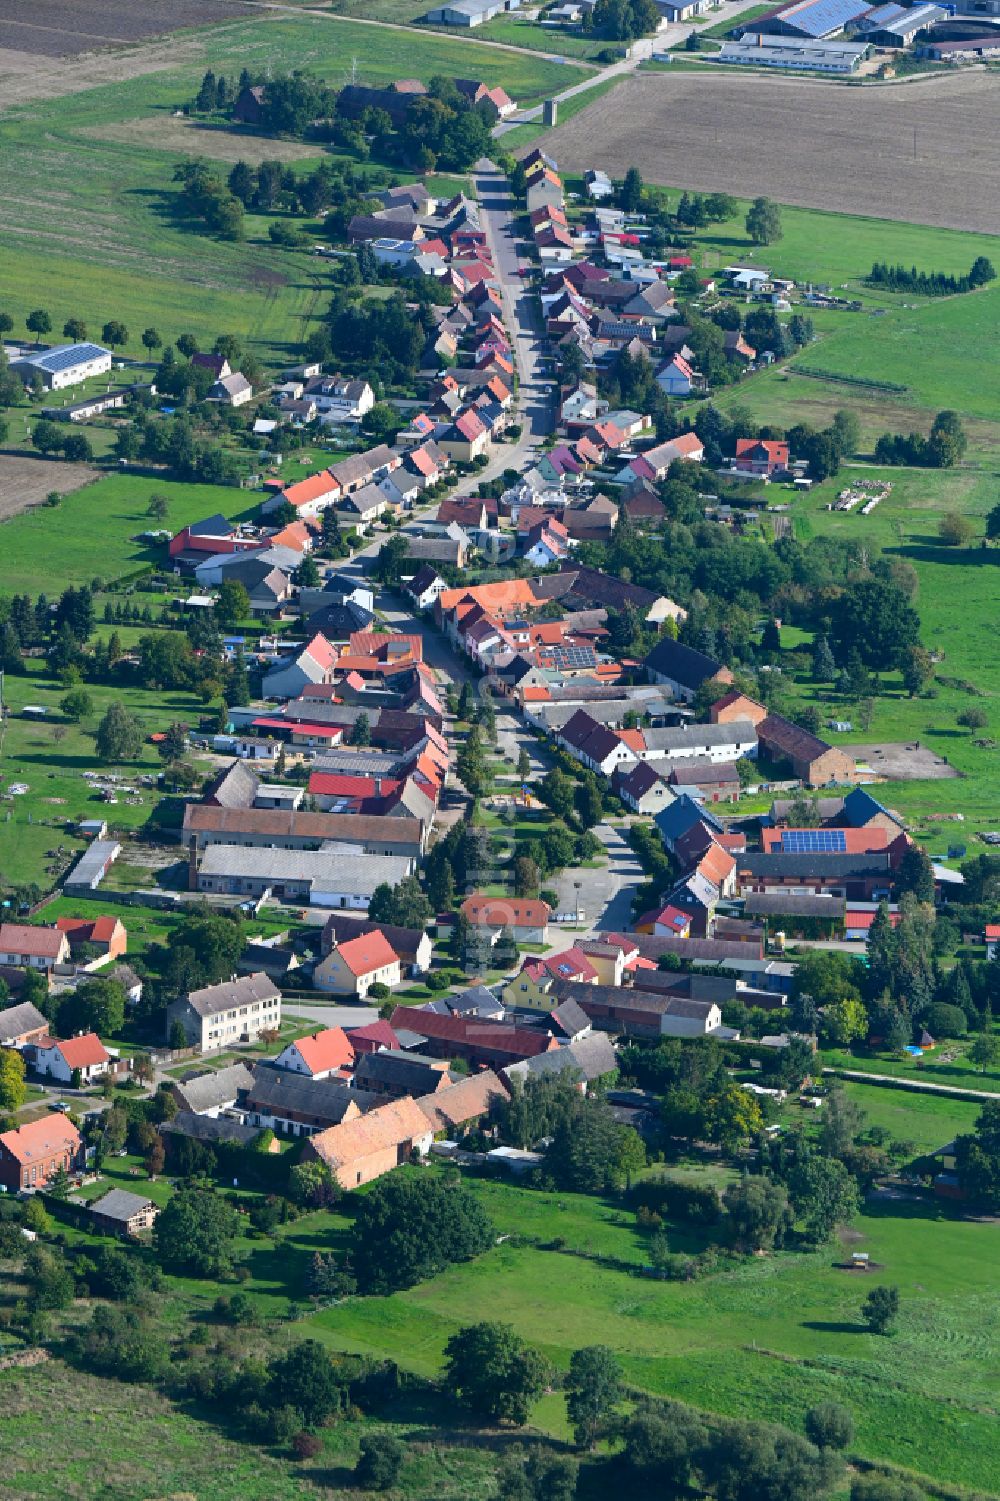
(811, 18)
(62, 365)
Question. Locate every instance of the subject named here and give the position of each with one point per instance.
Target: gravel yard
(893, 151)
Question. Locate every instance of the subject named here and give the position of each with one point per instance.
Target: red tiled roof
(84, 1052)
(370, 951)
(501, 911)
(519, 1042)
(313, 488)
(378, 1032)
(326, 1050)
(38, 1140)
(22, 938)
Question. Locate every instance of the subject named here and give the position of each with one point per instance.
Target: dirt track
(25, 482)
(820, 145)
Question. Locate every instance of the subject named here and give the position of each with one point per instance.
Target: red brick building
(30, 1156)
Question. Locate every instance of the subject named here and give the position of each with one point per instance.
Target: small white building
(60, 1060)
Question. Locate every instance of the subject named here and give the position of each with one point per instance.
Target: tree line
(931, 283)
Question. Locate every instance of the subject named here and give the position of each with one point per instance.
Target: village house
(361, 1150)
(480, 1043)
(107, 935)
(237, 1010)
(760, 456)
(812, 760)
(526, 917)
(413, 946)
(25, 947)
(29, 1156)
(121, 1213)
(214, 1092)
(318, 1056)
(354, 966)
(22, 1025)
(683, 669)
(279, 1100)
(393, 1074)
(84, 1056)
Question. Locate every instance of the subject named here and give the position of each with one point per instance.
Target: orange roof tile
(38, 1140)
(84, 1052)
(370, 951)
(326, 1050)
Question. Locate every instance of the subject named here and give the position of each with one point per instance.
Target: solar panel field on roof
(813, 842)
(72, 354)
(820, 18)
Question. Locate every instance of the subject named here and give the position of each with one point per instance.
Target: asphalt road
(536, 391)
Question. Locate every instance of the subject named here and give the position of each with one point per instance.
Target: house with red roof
(531, 987)
(354, 966)
(308, 496)
(761, 456)
(991, 937)
(372, 1038)
(108, 935)
(60, 1059)
(25, 947)
(30, 1156)
(467, 438)
(481, 1043)
(526, 917)
(319, 1056)
(316, 663)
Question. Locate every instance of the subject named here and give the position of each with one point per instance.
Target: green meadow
(89, 229)
(93, 534)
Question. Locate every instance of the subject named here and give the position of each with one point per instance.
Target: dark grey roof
(119, 1205)
(17, 1020)
(235, 786)
(213, 999)
(592, 1057)
(414, 1073)
(215, 1088)
(210, 1128)
(338, 622)
(791, 904)
(681, 663)
(342, 927)
(569, 1018)
(275, 1091)
(808, 863)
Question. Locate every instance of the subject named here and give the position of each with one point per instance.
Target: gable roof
(499, 912)
(328, 1049)
(368, 952)
(213, 999)
(472, 1032)
(465, 1101)
(22, 938)
(683, 664)
(84, 1052)
(40, 1139)
(275, 1091)
(215, 1087)
(386, 1126)
(15, 1021)
(119, 1204)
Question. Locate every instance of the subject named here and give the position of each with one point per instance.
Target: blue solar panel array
(67, 355)
(819, 18)
(813, 842)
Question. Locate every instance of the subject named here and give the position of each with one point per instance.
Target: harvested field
(65, 28)
(25, 481)
(903, 761)
(202, 140)
(872, 150)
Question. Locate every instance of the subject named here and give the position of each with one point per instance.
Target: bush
(380, 1463)
(306, 1445)
(378, 992)
(943, 1020)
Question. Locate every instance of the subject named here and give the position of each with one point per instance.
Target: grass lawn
(946, 1064)
(925, 1119)
(723, 28)
(523, 135)
(905, 525)
(91, 230)
(765, 1339)
(93, 533)
(50, 756)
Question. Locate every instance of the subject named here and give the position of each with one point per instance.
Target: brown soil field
(25, 482)
(818, 145)
(64, 28)
(170, 134)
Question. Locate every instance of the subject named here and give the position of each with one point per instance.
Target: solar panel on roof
(68, 355)
(820, 18)
(813, 841)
